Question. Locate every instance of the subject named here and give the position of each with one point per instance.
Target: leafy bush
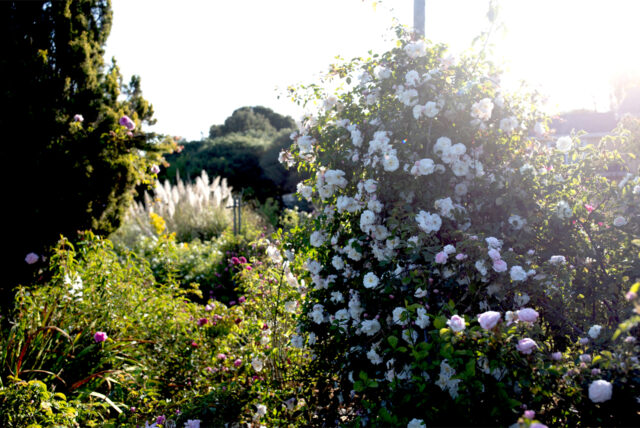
(463, 261)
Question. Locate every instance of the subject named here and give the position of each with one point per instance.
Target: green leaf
(393, 341)
(440, 322)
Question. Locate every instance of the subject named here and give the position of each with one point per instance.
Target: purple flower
(242, 299)
(127, 123)
(31, 258)
(161, 419)
(202, 321)
(242, 259)
(529, 414)
(237, 363)
(78, 118)
(100, 336)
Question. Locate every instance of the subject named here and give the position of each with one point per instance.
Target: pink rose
(78, 118)
(456, 323)
(127, 123)
(528, 315)
(529, 414)
(100, 336)
(237, 363)
(489, 319)
(499, 265)
(526, 345)
(31, 258)
(441, 257)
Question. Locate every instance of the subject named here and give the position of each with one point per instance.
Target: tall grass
(189, 210)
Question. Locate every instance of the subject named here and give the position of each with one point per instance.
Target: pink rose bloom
(31, 258)
(127, 123)
(499, 265)
(529, 414)
(100, 336)
(461, 256)
(456, 323)
(589, 207)
(526, 345)
(155, 169)
(441, 257)
(242, 299)
(78, 118)
(237, 363)
(489, 319)
(202, 321)
(494, 254)
(221, 357)
(528, 315)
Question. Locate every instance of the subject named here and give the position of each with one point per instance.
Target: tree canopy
(74, 163)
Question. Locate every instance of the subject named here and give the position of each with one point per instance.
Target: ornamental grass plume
(190, 210)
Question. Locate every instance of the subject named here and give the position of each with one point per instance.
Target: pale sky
(199, 60)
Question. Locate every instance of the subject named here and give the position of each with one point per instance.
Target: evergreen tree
(72, 165)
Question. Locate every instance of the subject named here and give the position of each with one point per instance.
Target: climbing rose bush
(453, 265)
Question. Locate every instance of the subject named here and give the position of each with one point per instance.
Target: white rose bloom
(337, 297)
(600, 391)
(337, 262)
(445, 207)
(636, 189)
(313, 266)
(458, 149)
(557, 260)
(431, 109)
(424, 167)
(342, 316)
(416, 423)
(390, 163)
(335, 177)
(481, 267)
(411, 336)
(428, 222)
(517, 273)
(317, 315)
(304, 190)
(619, 221)
(540, 129)
(420, 293)
(563, 210)
(494, 243)
(367, 218)
(412, 78)
(422, 319)
(443, 144)
(594, 331)
(370, 280)
(257, 364)
(408, 97)
(564, 144)
(517, 222)
(317, 239)
(449, 249)
(400, 316)
(370, 185)
(373, 356)
(297, 341)
(370, 327)
(290, 306)
(460, 168)
(380, 232)
(305, 144)
(346, 203)
(509, 124)
(382, 73)
(374, 205)
(416, 49)
(482, 109)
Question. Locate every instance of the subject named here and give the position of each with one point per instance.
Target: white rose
(600, 391)
(564, 144)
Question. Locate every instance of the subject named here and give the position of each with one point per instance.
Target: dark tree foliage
(252, 119)
(245, 151)
(63, 174)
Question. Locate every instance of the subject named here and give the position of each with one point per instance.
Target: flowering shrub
(457, 248)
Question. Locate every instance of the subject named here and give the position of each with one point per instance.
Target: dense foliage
(465, 264)
(245, 151)
(75, 158)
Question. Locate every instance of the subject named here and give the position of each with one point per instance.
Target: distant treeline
(245, 151)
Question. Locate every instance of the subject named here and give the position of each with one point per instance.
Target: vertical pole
(418, 17)
(240, 214)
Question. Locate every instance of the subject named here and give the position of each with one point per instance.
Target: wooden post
(418, 17)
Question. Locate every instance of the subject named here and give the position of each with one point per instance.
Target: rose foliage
(460, 255)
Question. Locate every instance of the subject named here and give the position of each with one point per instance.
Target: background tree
(244, 150)
(71, 165)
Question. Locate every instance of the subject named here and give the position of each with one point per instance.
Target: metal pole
(418, 17)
